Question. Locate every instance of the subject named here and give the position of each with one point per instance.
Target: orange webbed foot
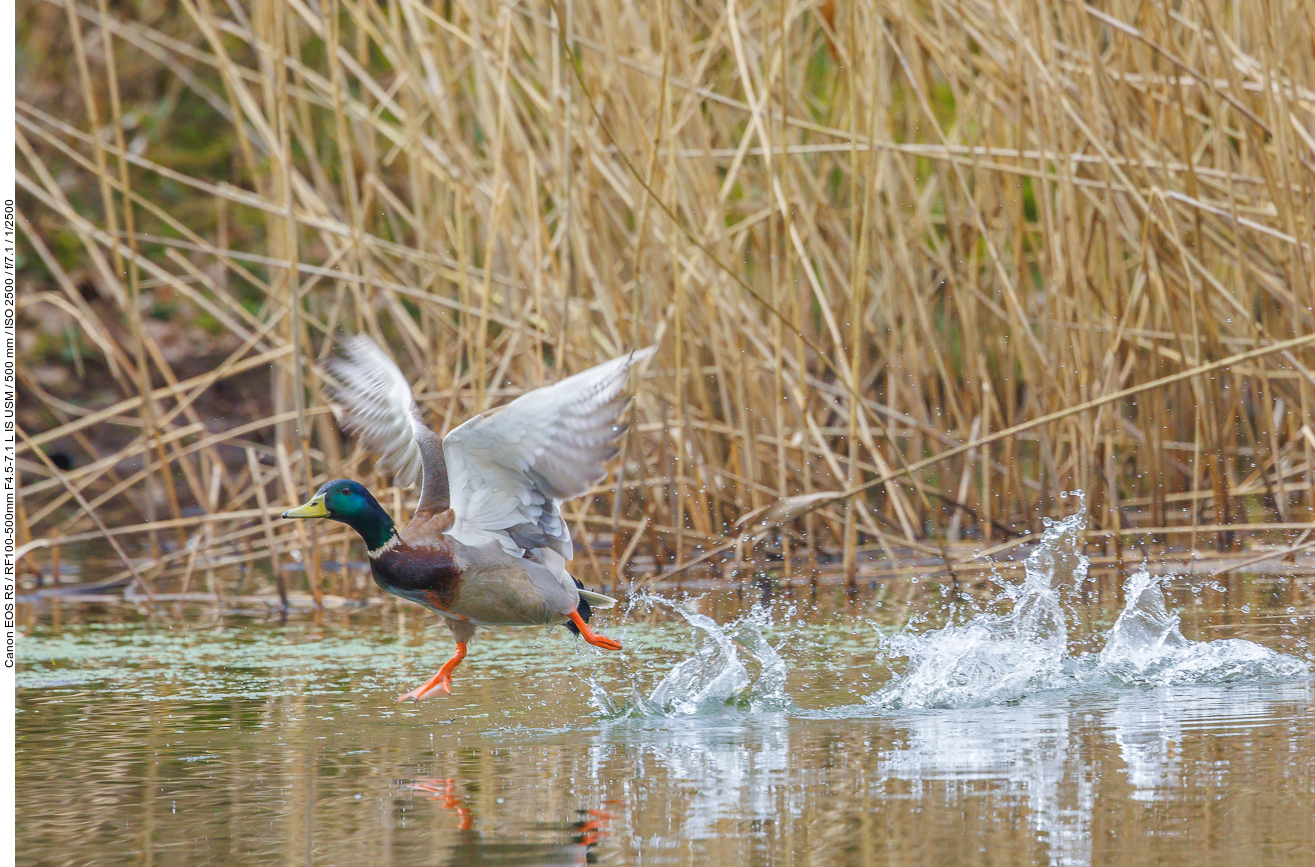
(425, 690)
(439, 682)
(592, 637)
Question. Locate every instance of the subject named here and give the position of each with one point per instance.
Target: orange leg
(442, 680)
(588, 634)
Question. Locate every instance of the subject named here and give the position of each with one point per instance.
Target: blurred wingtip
(638, 355)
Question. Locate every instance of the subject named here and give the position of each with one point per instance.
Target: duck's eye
(344, 490)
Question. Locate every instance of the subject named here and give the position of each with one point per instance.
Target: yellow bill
(313, 509)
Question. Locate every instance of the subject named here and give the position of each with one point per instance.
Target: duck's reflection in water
(543, 843)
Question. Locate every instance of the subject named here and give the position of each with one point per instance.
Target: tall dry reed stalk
(949, 259)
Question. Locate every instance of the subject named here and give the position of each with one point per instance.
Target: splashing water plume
(715, 678)
(997, 658)
(1145, 646)
(994, 657)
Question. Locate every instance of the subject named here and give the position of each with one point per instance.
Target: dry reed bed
(950, 258)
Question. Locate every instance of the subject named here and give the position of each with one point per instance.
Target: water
(1034, 726)
(997, 658)
(715, 678)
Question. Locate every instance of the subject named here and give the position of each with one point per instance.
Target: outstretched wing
(375, 403)
(511, 468)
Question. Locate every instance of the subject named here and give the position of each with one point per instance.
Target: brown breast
(427, 574)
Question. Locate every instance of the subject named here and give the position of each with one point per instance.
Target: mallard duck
(487, 545)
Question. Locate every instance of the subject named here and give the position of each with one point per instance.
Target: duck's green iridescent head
(349, 502)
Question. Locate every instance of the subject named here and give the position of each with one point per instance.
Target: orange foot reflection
(593, 827)
(445, 791)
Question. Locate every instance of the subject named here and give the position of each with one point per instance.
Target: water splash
(716, 677)
(1145, 646)
(997, 658)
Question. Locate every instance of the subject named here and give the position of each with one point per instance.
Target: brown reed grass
(917, 267)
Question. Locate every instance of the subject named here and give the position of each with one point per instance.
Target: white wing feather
(376, 404)
(510, 469)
